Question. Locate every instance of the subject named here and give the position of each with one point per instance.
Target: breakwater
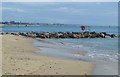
(63, 34)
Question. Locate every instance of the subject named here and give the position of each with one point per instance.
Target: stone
(63, 34)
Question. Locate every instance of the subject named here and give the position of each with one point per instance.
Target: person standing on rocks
(83, 28)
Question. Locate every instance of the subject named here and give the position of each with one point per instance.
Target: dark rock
(104, 33)
(73, 36)
(101, 35)
(113, 36)
(63, 34)
(92, 32)
(2, 33)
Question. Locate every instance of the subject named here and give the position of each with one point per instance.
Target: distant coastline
(26, 23)
(14, 23)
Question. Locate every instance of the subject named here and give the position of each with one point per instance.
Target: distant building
(12, 22)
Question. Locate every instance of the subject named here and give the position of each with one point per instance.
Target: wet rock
(73, 36)
(107, 36)
(63, 34)
(103, 33)
(113, 36)
(2, 33)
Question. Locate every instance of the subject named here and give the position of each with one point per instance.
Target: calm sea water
(100, 48)
(58, 28)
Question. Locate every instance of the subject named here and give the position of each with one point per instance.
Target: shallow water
(58, 49)
(77, 48)
(101, 48)
(66, 50)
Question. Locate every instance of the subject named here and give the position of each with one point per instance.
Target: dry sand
(18, 58)
(0, 55)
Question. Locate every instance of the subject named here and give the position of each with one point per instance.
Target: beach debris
(56, 72)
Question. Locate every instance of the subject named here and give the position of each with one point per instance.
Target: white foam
(106, 64)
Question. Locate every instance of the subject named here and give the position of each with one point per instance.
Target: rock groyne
(63, 34)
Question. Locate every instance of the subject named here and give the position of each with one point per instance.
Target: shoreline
(60, 49)
(19, 59)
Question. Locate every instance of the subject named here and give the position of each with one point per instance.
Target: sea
(102, 48)
(103, 51)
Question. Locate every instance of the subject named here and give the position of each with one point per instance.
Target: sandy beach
(59, 38)
(18, 58)
(0, 55)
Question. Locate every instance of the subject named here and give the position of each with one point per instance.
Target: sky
(60, 0)
(88, 13)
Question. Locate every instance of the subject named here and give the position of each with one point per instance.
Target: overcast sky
(89, 13)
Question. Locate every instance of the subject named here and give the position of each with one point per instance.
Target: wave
(64, 49)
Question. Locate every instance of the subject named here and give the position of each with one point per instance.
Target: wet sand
(62, 49)
(18, 58)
